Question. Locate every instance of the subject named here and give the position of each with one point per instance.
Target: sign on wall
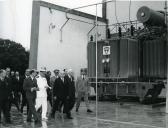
(106, 50)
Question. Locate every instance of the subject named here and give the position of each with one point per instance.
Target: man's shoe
(69, 117)
(29, 120)
(21, 110)
(37, 122)
(44, 119)
(8, 122)
(52, 116)
(88, 110)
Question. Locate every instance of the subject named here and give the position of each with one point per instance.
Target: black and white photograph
(83, 63)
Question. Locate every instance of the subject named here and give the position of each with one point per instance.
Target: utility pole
(166, 54)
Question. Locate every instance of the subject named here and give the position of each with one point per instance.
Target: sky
(79, 3)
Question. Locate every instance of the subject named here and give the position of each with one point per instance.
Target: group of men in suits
(63, 93)
(10, 92)
(5, 91)
(34, 88)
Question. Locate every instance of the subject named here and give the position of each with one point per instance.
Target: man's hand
(35, 89)
(47, 87)
(55, 97)
(32, 89)
(76, 94)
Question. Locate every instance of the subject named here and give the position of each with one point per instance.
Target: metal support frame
(90, 5)
(68, 18)
(62, 28)
(96, 72)
(90, 30)
(116, 88)
(166, 54)
(124, 25)
(66, 14)
(117, 82)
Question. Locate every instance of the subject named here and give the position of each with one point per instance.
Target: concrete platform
(110, 115)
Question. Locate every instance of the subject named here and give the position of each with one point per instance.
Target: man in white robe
(41, 98)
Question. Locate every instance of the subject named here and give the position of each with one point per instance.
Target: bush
(13, 55)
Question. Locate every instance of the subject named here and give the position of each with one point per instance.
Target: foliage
(13, 55)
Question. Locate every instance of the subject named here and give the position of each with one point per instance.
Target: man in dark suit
(14, 99)
(70, 101)
(18, 85)
(5, 90)
(30, 86)
(9, 82)
(24, 100)
(60, 92)
(52, 81)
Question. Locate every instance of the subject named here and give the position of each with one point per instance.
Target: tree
(13, 55)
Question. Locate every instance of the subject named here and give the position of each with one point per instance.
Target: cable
(88, 5)
(96, 71)
(116, 11)
(118, 25)
(130, 11)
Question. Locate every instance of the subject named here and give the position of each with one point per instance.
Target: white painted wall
(72, 51)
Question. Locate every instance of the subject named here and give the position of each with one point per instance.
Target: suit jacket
(9, 81)
(82, 85)
(27, 85)
(71, 86)
(60, 89)
(5, 90)
(52, 80)
(15, 84)
(21, 80)
(19, 83)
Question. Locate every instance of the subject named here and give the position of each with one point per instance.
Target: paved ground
(110, 115)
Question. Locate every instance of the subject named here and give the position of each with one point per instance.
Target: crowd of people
(36, 88)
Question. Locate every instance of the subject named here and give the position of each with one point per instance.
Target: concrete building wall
(71, 52)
